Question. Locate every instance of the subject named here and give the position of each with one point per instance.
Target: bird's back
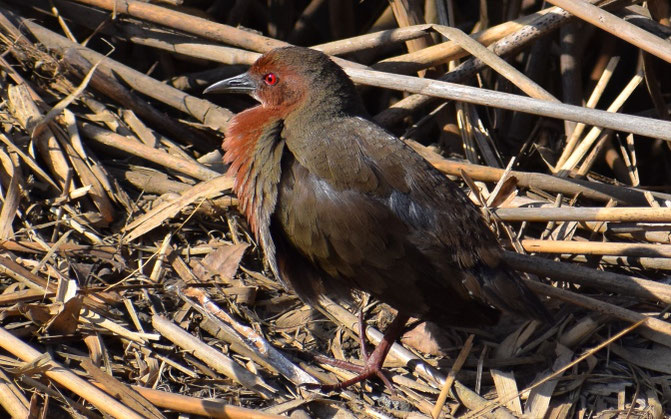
(359, 209)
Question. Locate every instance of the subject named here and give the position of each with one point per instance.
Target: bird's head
(294, 76)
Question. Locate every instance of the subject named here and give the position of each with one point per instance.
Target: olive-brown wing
(373, 214)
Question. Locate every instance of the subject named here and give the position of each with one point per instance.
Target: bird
(340, 205)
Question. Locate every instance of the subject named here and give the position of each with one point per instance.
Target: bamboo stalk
(545, 214)
(249, 337)
(607, 281)
(512, 42)
(657, 330)
(450, 50)
(496, 63)
(136, 148)
(632, 261)
(407, 14)
(66, 378)
(373, 40)
(648, 127)
(168, 209)
(572, 141)
(210, 408)
(12, 399)
(596, 248)
(449, 381)
(188, 23)
(590, 190)
(617, 27)
(200, 109)
(217, 360)
(583, 147)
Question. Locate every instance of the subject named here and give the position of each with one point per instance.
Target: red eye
(270, 79)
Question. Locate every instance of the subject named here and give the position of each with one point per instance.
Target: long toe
(369, 371)
(348, 366)
(372, 369)
(373, 363)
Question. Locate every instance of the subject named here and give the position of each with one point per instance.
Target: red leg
(373, 363)
(362, 337)
(348, 366)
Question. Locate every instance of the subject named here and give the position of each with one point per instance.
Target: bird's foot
(372, 364)
(372, 367)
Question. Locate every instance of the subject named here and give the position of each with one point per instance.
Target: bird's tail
(504, 289)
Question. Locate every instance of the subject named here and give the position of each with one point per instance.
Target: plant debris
(131, 287)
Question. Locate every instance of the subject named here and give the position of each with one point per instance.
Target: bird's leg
(362, 337)
(373, 363)
(348, 366)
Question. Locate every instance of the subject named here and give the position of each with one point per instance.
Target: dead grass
(132, 288)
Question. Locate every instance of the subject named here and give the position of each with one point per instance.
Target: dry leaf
(657, 359)
(66, 321)
(225, 260)
(427, 338)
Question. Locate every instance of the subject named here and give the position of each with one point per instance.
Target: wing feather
(372, 214)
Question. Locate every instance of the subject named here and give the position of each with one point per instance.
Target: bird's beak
(241, 83)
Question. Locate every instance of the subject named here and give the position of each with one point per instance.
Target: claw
(373, 362)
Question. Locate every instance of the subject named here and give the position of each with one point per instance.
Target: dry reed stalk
(65, 377)
(618, 27)
(168, 239)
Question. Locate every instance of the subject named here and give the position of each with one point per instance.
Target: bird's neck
(317, 112)
(328, 103)
(254, 147)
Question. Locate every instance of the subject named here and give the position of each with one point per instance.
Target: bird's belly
(353, 241)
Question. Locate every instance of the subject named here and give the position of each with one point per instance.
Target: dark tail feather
(504, 289)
